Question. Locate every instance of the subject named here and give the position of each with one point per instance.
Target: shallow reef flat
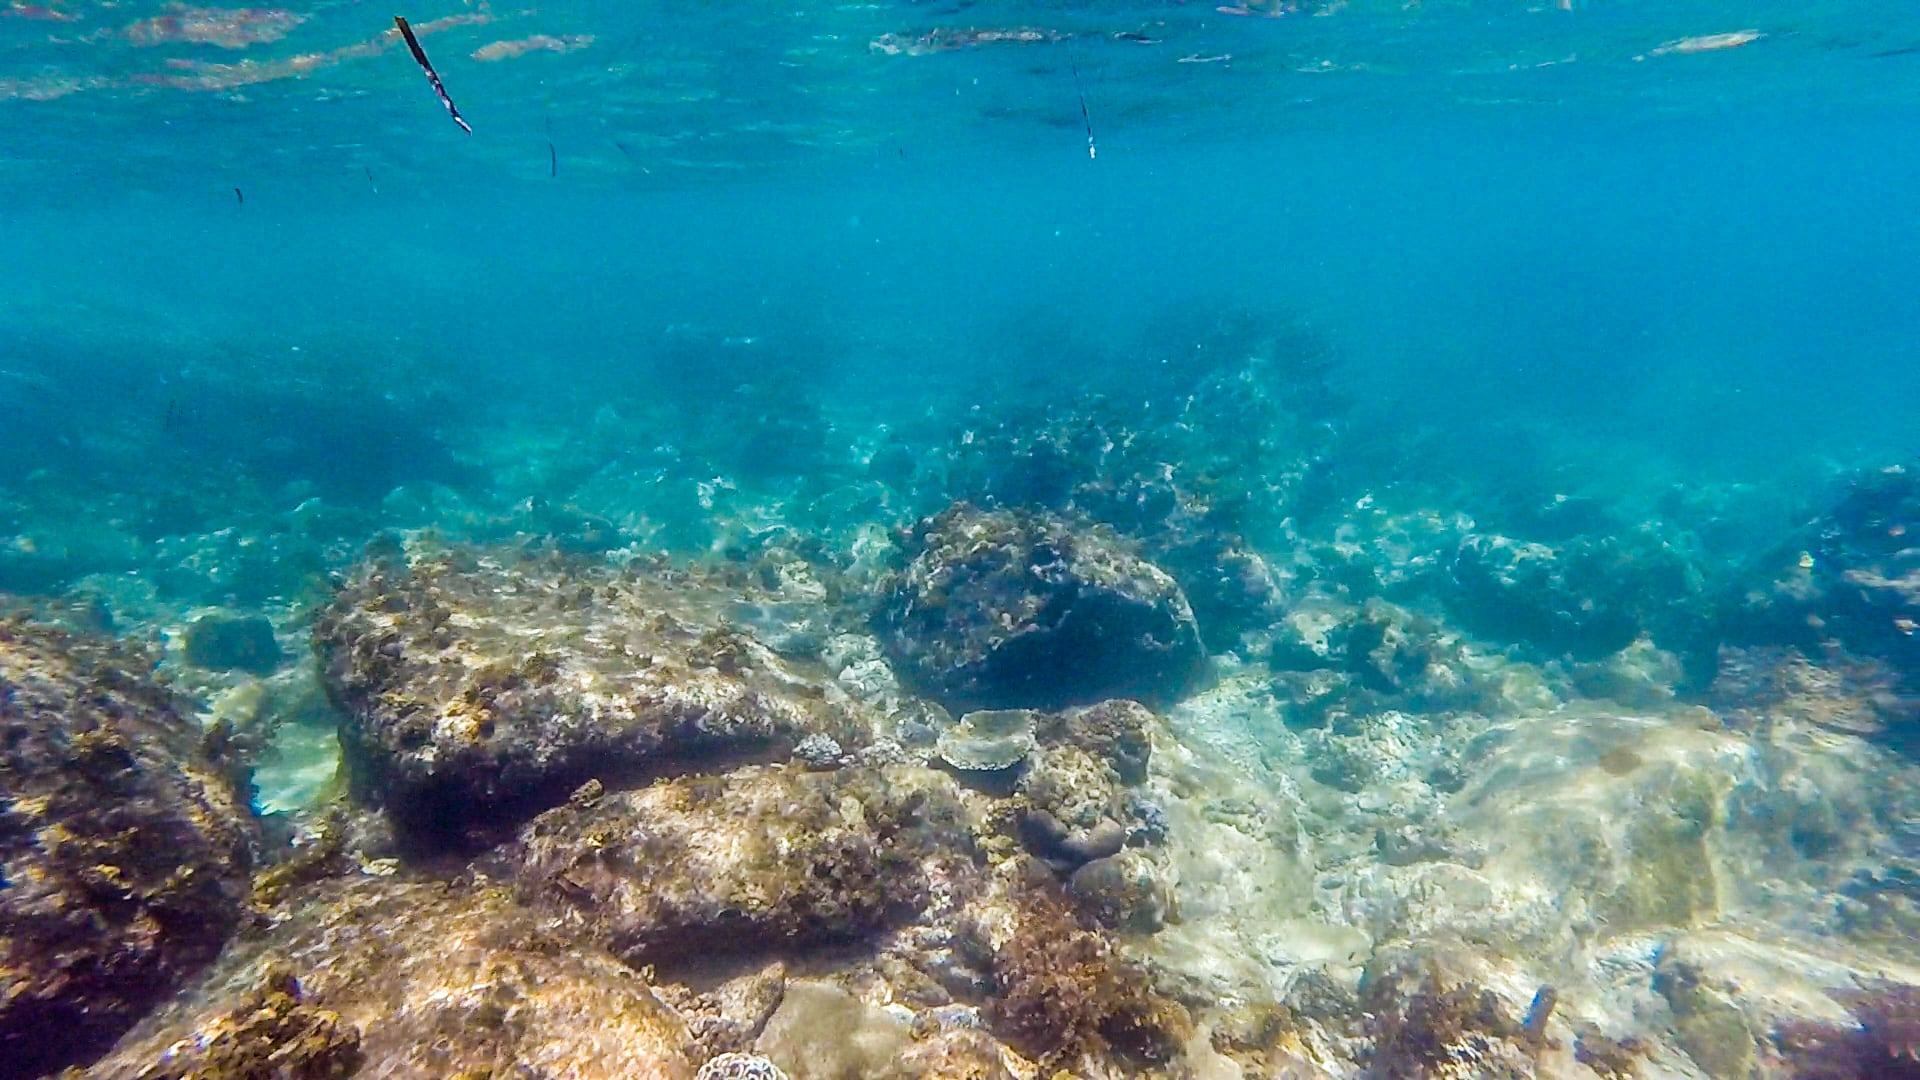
(1088, 741)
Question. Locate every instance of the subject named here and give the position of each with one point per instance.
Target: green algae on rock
(482, 686)
(125, 849)
(1002, 609)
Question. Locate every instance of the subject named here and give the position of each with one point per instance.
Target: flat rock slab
(482, 686)
(758, 860)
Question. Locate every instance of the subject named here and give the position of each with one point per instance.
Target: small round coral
(740, 1067)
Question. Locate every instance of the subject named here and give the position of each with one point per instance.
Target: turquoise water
(1498, 216)
(1378, 278)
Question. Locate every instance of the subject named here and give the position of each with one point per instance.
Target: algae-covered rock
(220, 641)
(1062, 990)
(1010, 609)
(271, 1032)
(429, 980)
(760, 859)
(1708, 1024)
(125, 851)
(481, 687)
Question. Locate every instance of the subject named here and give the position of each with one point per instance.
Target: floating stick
(553, 156)
(1085, 118)
(241, 199)
(420, 57)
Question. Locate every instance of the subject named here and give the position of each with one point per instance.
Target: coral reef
(125, 848)
(1449, 800)
(1002, 609)
(482, 686)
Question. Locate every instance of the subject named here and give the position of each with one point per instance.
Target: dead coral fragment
(740, 1067)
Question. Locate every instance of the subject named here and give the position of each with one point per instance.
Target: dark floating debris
(369, 171)
(1085, 118)
(239, 198)
(553, 156)
(420, 57)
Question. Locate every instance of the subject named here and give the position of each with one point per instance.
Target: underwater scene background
(960, 539)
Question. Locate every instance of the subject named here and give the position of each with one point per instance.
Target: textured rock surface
(482, 687)
(1010, 609)
(759, 860)
(125, 852)
(433, 980)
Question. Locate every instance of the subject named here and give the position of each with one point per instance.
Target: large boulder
(124, 851)
(482, 687)
(1010, 609)
(371, 976)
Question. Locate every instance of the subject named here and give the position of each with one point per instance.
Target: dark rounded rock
(1121, 890)
(1008, 609)
(224, 642)
(125, 852)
